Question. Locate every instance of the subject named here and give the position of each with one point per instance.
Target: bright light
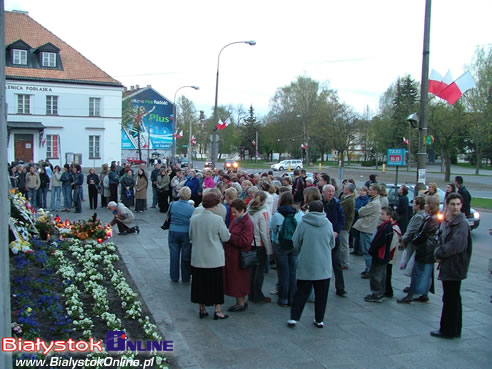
(440, 216)
(476, 215)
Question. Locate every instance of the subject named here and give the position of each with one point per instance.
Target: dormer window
(49, 59)
(19, 57)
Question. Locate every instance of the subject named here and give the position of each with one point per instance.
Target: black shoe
(283, 305)
(137, 229)
(291, 323)
(423, 298)
(238, 308)
(124, 233)
(365, 276)
(203, 313)
(318, 325)
(341, 293)
(406, 289)
(439, 334)
(217, 317)
(406, 300)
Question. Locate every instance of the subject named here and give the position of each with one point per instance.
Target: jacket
(180, 212)
(465, 208)
(369, 216)
(361, 201)
(334, 213)
(56, 179)
(413, 226)
(278, 220)
(313, 240)
(395, 253)
(402, 210)
(163, 182)
(426, 240)
(66, 179)
(141, 188)
(114, 178)
(298, 189)
(125, 215)
(455, 251)
(44, 180)
(32, 180)
(94, 177)
(78, 179)
(381, 243)
(153, 176)
(194, 185)
(207, 232)
(261, 221)
(348, 206)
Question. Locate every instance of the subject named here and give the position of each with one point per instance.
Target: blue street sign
(395, 157)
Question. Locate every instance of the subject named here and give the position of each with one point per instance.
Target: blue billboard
(153, 117)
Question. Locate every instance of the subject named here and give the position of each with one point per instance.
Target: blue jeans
(44, 197)
(179, 245)
(154, 196)
(365, 242)
(32, 195)
(67, 197)
(286, 268)
(421, 278)
(77, 199)
(55, 197)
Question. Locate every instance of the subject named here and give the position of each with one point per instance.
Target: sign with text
(395, 157)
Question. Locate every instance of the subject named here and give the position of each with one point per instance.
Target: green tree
(247, 131)
(478, 102)
(186, 115)
(404, 104)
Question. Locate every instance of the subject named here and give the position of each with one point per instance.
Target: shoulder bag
(167, 221)
(248, 259)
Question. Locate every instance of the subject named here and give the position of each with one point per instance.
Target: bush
(368, 163)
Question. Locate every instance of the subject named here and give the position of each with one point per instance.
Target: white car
(285, 164)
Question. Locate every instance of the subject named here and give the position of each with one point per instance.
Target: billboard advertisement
(153, 117)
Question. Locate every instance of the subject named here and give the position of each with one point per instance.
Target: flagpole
(424, 87)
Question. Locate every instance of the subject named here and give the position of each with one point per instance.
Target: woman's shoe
(423, 298)
(291, 323)
(218, 317)
(237, 308)
(406, 300)
(137, 228)
(203, 313)
(319, 325)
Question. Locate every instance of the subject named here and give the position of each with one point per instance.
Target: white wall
(72, 124)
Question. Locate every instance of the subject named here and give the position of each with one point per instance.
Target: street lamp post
(214, 122)
(175, 118)
(305, 139)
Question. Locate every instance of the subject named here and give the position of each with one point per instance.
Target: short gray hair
(185, 193)
(350, 187)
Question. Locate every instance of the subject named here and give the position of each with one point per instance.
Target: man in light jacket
(367, 224)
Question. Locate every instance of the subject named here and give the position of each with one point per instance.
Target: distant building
(60, 105)
(146, 113)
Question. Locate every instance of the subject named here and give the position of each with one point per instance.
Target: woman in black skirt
(207, 232)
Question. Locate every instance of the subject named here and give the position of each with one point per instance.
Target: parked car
(285, 164)
(184, 163)
(208, 164)
(473, 219)
(231, 164)
(135, 161)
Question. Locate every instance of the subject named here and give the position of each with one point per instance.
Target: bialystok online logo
(116, 341)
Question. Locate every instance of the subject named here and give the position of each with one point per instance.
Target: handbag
(248, 259)
(167, 221)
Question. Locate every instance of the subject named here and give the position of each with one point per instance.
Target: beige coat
(261, 221)
(141, 188)
(32, 180)
(369, 216)
(207, 233)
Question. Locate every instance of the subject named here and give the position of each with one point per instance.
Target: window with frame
(51, 105)
(23, 104)
(52, 144)
(49, 59)
(94, 107)
(94, 147)
(19, 57)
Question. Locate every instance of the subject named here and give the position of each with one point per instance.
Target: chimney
(137, 87)
(132, 88)
(125, 89)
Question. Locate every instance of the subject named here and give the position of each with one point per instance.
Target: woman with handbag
(179, 214)
(424, 243)
(453, 256)
(236, 279)
(162, 184)
(141, 191)
(207, 232)
(259, 215)
(128, 188)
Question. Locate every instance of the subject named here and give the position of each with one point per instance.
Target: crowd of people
(303, 226)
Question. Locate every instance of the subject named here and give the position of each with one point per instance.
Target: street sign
(395, 157)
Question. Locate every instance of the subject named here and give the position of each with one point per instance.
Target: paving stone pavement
(356, 334)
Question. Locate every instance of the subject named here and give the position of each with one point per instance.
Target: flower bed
(73, 288)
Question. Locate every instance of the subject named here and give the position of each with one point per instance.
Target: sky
(357, 47)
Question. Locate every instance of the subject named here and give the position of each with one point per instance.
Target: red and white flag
(405, 140)
(253, 143)
(179, 134)
(437, 83)
(223, 125)
(456, 89)
(193, 140)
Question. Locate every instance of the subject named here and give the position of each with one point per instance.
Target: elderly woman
(245, 185)
(432, 191)
(178, 239)
(123, 217)
(208, 181)
(259, 214)
(104, 185)
(453, 256)
(424, 243)
(141, 191)
(92, 185)
(162, 184)
(250, 194)
(402, 208)
(207, 232)
(314, 266)
(236, 283)
(128, 188)
(229, 196)
(194, 184)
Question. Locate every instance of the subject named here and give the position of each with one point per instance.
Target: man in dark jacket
(348, 206)
(334, 213)
(298, 187)
(153, 179)
(463, 191)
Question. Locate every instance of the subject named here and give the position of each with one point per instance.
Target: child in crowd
(380, 252)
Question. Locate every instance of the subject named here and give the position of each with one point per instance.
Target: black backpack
(289, 226)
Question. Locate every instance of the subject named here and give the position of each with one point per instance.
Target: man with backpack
(335, 214)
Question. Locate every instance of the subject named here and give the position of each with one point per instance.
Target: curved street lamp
(175, 118)
(214, 133)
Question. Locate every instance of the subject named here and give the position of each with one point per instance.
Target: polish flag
(220, 126)
(193, 140)
(179, 134)
(456, 89)
(437, 83)
(405, 140)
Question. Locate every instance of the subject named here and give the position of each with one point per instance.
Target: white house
(60, 105)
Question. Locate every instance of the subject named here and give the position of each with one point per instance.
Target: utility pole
(5, 330)
(424, 87)
(257, 150)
